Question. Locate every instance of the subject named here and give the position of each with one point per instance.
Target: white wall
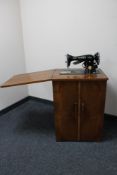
(53, 28)
(11, 51)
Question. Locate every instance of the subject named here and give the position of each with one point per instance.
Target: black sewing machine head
(89, 62)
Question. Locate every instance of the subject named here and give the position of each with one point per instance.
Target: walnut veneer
(79, 102)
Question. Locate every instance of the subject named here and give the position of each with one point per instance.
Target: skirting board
(9, 108)
(13, 106)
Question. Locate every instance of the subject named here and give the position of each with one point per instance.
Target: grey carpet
(28, 146)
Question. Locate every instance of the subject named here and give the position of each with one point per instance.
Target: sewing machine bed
(71, 71)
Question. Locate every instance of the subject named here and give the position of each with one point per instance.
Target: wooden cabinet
(66, 103)
(79, 108)
(92, 100)
(78, 99)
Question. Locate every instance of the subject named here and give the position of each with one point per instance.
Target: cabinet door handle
(82, 106)
(76, 108)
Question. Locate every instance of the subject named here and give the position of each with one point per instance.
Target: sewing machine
(89, 62)
(79, 99)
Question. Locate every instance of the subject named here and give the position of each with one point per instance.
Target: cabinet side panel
(66, 110)
(92, 109)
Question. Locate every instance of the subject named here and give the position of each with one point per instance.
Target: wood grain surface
(66, 111)
(29, 78)
(50, 75)
(79, 109)
(81, 77)
(78, 100)
(92, 102)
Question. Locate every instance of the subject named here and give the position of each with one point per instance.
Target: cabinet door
(66, 110)
(92, 102)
